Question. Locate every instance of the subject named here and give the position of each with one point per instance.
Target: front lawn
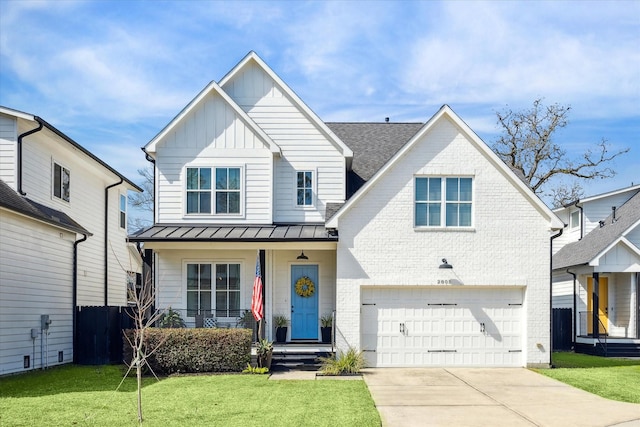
(616, 379)
(86, 396)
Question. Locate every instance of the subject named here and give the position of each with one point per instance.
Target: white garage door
(442, 326)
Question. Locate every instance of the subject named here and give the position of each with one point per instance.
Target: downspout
(575, 313)
(74, 296)
(106, 239)
(581, 219)
(551, 294)
(19, 160)
(152, 160)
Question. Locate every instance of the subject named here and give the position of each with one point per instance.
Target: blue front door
(304, 309)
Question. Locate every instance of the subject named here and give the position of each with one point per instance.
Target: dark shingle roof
(585, 250)
(373, 144)
(11, 200)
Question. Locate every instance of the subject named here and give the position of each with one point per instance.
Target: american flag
(257, 307)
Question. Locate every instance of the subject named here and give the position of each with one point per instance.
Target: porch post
(595, 306)
(634, 309)
(261, 331)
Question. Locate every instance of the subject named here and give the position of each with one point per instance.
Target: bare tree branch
(527, 146)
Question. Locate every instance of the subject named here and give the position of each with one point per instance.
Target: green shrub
(255, 370)
(347, 363)
(195, 350)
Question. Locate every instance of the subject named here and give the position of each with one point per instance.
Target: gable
(212, 124)
(269, 101)
(623, 256)
(206, 106)
(442, 127)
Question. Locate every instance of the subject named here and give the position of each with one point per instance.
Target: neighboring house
(366, 211)
(596, 263)
(57, 251)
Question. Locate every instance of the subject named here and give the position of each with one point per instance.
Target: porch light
(302, 256)
(445, 264)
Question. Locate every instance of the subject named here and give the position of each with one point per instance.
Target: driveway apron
(488, 397)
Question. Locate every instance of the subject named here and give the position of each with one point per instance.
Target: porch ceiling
(236, 233)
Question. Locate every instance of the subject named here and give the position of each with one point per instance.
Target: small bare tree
(527, 146)
(144, 316)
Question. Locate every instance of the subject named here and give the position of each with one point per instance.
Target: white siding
(35, 278)
(562, 290)
(379, 246)
(86, 206)
(171, 278)
(600, 209)
(8, 150)
(304, 146)
(213, 135)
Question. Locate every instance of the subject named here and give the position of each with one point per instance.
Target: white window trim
(443, 205)
(571, 225)
(314, 189)
(53, 181)
(213, 168)
(126, 210)
(213, 283)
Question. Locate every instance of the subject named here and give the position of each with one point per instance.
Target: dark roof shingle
(373, 144)
(11, 200)
(585, 250)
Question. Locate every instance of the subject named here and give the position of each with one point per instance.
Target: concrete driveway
(488, 397)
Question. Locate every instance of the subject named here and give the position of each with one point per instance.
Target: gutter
(19, 160)
(575, 314)
(74, 297)
(551, 294)
(106, 239)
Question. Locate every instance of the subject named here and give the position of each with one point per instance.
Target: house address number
(444, 282)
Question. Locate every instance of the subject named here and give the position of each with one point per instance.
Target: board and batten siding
(171, 277)
(86, 206)
(304, 146)
(8, 150)
(211, 135)
(379, 245)
(36, 275)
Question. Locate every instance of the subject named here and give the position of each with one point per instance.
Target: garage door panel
(442, 327)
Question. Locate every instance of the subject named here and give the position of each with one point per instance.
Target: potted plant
(325, 327)
(281, 323)
(264, 351)
(171, 319)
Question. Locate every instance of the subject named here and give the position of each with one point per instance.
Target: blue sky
(113, 74)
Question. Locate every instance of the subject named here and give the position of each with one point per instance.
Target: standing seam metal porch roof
(235, 233)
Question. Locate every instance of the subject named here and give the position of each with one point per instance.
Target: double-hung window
(198, 289)
(203, 197)
(574, 220)
(199, 190)
(443, 202)
(304, 188)
(61, 182)
(123, 211)
(227, 290)
(227, 190)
